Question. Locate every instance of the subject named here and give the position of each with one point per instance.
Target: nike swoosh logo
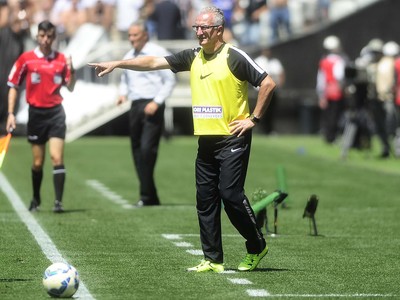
(205, 76)
(235, 150)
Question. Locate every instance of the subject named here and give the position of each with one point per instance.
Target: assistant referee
(45, 72)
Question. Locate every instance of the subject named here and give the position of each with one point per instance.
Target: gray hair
(218, 14)
(141, 24)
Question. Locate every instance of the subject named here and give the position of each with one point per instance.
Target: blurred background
(292, 32)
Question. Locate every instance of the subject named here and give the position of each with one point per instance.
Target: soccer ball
(61, 280)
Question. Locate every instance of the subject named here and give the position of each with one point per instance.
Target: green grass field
(123, 253)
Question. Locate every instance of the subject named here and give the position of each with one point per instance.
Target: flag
(4, 142)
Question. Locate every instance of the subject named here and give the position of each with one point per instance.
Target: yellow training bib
(218, 97)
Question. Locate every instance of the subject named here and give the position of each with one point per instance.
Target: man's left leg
(56, 148)
(150, 140)
(234, 162)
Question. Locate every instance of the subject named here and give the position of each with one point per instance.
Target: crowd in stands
(248, 21)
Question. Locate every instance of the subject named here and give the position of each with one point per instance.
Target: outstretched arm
(141, 63)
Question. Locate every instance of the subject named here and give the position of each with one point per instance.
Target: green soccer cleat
(207, 266)
(251, 261)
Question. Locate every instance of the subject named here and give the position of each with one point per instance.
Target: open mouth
(201, 38)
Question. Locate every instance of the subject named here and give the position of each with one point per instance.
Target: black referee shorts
(45, 123)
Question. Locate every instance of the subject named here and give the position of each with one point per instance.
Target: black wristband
(254, 119)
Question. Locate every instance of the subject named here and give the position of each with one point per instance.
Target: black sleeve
(182, 61)
(244, 67)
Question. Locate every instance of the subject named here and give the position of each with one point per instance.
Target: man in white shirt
(147, 91)
(127, 11)
(276, 70)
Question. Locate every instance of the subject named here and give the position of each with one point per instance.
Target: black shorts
(45, 123)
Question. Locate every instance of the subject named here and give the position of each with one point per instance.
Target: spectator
(275, 69)
(309, 12)
(102, 12)
(147, 91)
(42, 11)
(323, 10)
(220, 74)
(358, 126)
(397, 88)
(185, 7)
(279, 19)
(12, 36)
(145, 12)
(45, 71)
(386, 84)
(330, 81)
(253, 11)
(128, 11)
(396, 143)
(24, 10)
(68, 16)
(376, 105)
(167, 18)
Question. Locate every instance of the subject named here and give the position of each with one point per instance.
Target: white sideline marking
(258, 293)
(229, 272)
(195, 252)
(172, 236)
(261, 292)
(107, 193)
(183, 244)
(240, 281)
(330, 295)
(44, 241)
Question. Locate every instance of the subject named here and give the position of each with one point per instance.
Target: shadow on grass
(259, 270)
(270, 270)
(14, 279)
(69, 211)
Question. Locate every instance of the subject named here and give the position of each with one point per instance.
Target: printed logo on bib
(207, 112)
(205, 76)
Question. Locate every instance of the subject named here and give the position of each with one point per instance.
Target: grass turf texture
(122, 254)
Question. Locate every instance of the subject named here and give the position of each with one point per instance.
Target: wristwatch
(254, 119)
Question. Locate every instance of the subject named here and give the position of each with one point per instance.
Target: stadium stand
(93, 103)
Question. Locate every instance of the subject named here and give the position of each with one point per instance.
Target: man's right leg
(150, 140)
(208, 203)
(135, 133)
(38, 152)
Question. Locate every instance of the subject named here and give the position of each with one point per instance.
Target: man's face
(137, 37)
(45, 39)
(206, 36)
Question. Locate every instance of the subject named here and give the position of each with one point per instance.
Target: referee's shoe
(34, 206)
(58, 207)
